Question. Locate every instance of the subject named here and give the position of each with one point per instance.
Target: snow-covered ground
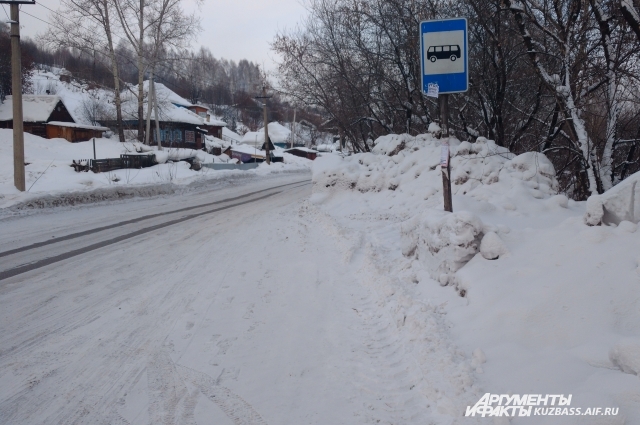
(249, 315)
(536, 301)
(49, 170)
(261, 301)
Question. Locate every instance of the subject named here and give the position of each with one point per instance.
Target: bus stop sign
(443, 56)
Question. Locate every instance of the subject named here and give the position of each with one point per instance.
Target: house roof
(248, 150)
(76, 125)
(231, 135)
(214, 121)
(277, 133)
(301, 149)
(165, 93)
(35, 108)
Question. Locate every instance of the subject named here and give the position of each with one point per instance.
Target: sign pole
(445, 162)
(444, 64)
(266, 124)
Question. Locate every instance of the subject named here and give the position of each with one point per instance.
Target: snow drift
(550, 302)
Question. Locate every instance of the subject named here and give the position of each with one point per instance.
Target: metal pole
(16, 91)
(94, 148)
(446, 170)
(266, 126)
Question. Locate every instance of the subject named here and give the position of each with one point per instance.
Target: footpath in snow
(513, 293)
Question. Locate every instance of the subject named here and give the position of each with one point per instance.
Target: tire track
(234, 406)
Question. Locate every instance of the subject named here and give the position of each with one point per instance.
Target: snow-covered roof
(34, 108)
(277, 132)
(168, 110)
(325, 147)
(248, 149)
(165, 93)
(253, 138)
(214, 142)
(231, 135)
(76, 125)
(215, 121)
(301, 149)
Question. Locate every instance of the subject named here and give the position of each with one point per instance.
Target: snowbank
(620, 203)
(550, 303)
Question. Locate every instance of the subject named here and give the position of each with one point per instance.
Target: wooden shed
(303, 152)
(73, 132)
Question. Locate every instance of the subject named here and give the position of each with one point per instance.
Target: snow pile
(444, 242)
(626, 355)
(391, 144)
(414, 166)
(550, 302)
(620, 203)
(492, 246)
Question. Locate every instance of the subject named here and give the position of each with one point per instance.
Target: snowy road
(240, 308)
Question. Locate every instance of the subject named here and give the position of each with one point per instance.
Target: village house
(182, 124)
(48, 117)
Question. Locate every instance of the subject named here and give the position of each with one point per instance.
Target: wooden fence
(110, 164)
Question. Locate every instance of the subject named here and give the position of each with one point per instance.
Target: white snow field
(529, 299)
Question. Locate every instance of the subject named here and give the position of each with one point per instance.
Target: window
(439, 49)
(177, 136)
(190, 136)
(445, 48)
(430, 49)
(202, 114)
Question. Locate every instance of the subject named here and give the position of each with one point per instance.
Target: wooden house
(37, 111)
(182, 124)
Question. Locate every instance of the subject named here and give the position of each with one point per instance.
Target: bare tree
(150, 27)
(87, 25)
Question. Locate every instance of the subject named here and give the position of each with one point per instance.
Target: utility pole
(293, 134)
(444, 152)
(157, 119)
(16, 92)
(149, 105)
(266, 123)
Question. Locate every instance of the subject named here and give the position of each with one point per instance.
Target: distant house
(182, 124)
(246, 153)
(47, 116)
(279, 135)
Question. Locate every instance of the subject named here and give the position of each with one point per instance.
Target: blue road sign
(443, 55)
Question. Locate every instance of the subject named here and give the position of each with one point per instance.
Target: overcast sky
(232, 29)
